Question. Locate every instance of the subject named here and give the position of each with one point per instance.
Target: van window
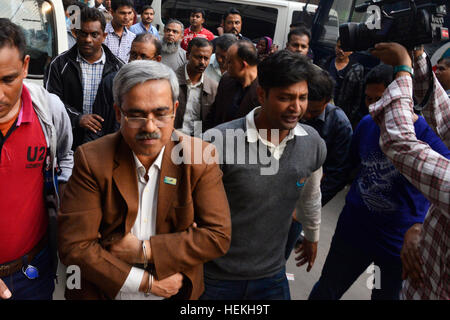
(257, 21)
(35, 17)
(339, 13)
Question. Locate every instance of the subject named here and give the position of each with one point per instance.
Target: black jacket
(63, 78)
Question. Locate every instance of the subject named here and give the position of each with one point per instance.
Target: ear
(175, 106)
(261, 93)
(26, 62)
(158, 58)
(118, 113)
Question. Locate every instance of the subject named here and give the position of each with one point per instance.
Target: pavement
(303, 281)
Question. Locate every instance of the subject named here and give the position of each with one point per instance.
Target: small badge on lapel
(169, 180)
(301, 182)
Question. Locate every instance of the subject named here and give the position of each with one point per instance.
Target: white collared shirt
(145, 224)
(193, 104)
(253, 134)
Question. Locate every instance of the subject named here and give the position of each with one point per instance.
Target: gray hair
(140, 71)
(175, 21)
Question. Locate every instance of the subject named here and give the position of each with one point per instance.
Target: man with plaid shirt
(425, 255)
(76, 75)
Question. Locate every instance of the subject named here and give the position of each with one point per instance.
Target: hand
(392, 53)
(411, 259)
(307, 253)
(129, 249)
(91, 122)
(4, 291)
(167, 287)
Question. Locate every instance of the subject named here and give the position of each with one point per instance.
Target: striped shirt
(427, 170)
(91, 74)
(119, 46)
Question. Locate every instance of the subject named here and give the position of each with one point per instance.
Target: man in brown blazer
(236, 94)
(138, 225)
(197, 90)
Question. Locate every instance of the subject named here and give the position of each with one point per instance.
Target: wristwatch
(404, 68)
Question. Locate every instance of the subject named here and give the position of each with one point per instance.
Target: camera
(410, 23)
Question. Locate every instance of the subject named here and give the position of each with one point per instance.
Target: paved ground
(303, 281)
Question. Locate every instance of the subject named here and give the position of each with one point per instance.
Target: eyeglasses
(159, 121)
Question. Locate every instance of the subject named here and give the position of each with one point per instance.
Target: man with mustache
(139, 225)
(91, 60)
(197, 90)
(145, 26)
(172, 53)
(263, 198)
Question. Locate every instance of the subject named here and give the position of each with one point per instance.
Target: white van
(260, 17)
(44, 26)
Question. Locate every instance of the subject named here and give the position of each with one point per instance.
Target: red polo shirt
(23, 218)
(189, 35)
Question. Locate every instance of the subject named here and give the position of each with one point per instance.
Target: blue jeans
(40, 288)
(272, 288)
(345, 263)
(294, 233)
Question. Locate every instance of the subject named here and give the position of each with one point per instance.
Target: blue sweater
(381, 204)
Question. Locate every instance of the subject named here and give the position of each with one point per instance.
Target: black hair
(300, 31)
(144, 37)
(198, 10)
(283, 68)
(382, 73)
(297, 25)
(225, 41)
(67, 3)
(247, 52)
(320, 85)
(231, 10)
(199, 43)
(445, 60)
(116, 4)
(146, 7)
(93, 14)
(11, 35)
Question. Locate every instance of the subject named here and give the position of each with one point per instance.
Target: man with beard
(232, 23)
(119, 38)
(197, 90)
(94, 62)
(145, 26)
(172, 54)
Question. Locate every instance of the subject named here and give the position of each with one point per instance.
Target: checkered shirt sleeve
(426, 170)
(120, 47)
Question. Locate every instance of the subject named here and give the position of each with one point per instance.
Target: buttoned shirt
(91, 74)
(427, 170)
(213, 69)
(139, 28)
(145, 224)
(193, 104)
(119, 46)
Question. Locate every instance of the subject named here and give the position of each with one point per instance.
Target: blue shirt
(381, 204)
(139, 28)
(334, 127)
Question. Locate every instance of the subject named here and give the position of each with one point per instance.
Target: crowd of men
(191, 166)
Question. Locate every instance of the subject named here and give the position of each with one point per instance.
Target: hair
(146, 7)
(382, 73)
(247, 52)
(148, 37)
(300, 31)
(283, 68)
(67, 4)
(199, 43)
(93, 14)
(231, 10)
(225, 41)
(11, 35)
(297, 25)
(445, 60)
(175, 21)
(320, 85)
(140, 71)
(198, 10)
(116, 4)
